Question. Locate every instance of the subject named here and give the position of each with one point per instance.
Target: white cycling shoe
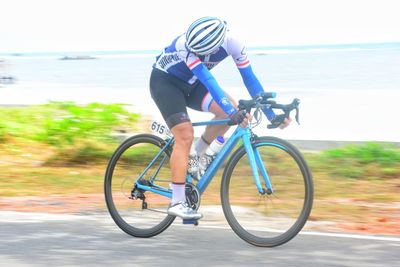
(182, 209)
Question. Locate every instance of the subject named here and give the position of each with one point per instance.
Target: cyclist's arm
(208, 80)
(253, 85)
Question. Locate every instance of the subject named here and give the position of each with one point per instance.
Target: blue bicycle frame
(253, 155)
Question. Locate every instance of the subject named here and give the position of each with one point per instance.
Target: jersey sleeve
(208, 80)
(253, 85)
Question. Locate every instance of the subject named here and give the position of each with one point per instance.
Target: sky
(101, 25)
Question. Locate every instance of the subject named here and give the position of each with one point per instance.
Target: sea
(348, 92)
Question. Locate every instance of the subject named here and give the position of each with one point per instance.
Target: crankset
(192, 196)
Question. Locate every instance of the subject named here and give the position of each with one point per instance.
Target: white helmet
(205, 35)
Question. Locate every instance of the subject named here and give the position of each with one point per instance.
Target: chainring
(192, 196)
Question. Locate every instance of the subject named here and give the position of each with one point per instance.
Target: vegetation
(366, 161)
(62, 148)
(76, 133)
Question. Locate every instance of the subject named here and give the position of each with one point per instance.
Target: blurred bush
(95, 121)
(61, 123)
(3, 133)
(76, 132)
(371, 159)
(367, 153)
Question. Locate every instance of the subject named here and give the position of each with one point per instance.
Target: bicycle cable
(257, 115)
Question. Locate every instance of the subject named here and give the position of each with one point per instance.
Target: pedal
(194, 222)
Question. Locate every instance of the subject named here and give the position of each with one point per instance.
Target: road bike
(266, 186)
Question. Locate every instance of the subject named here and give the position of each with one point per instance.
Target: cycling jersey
(178, 61)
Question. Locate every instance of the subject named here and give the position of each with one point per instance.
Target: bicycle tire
(266, 235)
(128, 227)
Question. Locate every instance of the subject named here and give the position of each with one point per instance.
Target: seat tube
(252, 160)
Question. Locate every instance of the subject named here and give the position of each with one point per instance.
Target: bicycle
(266, 197)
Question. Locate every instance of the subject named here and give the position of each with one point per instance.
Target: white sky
(81, 25)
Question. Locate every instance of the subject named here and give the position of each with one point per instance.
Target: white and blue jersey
(178, 61)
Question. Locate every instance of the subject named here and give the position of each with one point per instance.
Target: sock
(178, 193)
(201, 146)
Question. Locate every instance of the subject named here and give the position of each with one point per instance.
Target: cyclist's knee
(176, 119)
(183, 133)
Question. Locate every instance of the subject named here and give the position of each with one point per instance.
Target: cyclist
(181, 78)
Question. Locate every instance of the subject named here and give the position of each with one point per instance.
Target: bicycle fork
(257, 166)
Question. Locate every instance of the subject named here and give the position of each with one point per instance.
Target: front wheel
(267, 220)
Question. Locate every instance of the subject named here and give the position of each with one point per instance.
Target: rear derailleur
(137, 193)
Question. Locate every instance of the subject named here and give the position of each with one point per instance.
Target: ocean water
(347, 92)
(366, 67)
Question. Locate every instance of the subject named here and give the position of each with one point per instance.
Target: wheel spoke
(267, 220)
(142, 214)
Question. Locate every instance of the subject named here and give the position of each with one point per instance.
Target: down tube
(222, 155)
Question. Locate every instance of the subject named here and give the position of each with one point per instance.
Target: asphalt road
(32, 239)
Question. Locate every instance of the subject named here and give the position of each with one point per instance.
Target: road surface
(40, 239)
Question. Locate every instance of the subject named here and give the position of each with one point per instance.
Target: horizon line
(365, 45)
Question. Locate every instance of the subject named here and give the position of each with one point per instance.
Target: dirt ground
(385, 221)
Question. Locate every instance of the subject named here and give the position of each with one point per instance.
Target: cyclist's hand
(240, 117)
(285, 123)
(281, 121)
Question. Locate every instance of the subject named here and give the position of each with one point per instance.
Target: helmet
(205, 35)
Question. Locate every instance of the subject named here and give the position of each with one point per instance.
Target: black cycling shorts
(173, 95)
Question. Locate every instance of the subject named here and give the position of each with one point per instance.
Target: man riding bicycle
(181, 78)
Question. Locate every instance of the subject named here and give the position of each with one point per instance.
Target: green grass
(78, 133)
(3, 132)
(63, 148)
(370, 160)
(62, 124)
(369, 152)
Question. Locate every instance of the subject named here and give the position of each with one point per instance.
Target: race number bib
(160, 128)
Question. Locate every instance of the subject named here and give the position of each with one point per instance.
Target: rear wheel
(267, 219)
(137, 212)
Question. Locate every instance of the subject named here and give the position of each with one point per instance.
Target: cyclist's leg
(200, 99)
(168, 94)
(183, 133)
(212, 131)
(171, 102)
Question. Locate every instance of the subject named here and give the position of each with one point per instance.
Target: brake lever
(296, 103)
(297, 116)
